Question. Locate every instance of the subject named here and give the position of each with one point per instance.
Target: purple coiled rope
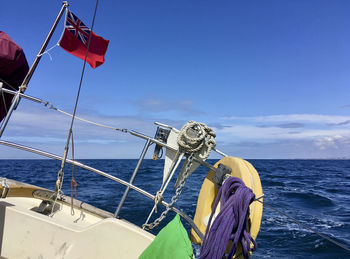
(231, 222)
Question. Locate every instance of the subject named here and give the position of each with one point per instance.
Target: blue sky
(271, 77)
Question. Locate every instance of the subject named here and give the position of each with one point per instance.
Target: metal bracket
(162, 135)
(5, 188)
(220, 174)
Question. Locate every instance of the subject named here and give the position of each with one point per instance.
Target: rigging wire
(304, 226)
(2, 83)
(88, 121)
(60, 175)
(3, 101)
(49, 105)
(7, 84)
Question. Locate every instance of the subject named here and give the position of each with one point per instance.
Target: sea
(315, 193)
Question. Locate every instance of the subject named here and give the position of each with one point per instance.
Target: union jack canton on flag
(75, 40)
(77, 28)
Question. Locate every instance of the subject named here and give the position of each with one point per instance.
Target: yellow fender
(243, 170)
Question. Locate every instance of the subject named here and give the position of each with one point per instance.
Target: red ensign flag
(75, 40)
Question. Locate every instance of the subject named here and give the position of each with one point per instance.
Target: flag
(75, 39)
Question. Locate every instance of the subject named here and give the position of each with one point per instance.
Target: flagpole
(43, 47)
(26, 80)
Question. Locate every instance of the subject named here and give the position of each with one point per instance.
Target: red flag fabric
(75, 40)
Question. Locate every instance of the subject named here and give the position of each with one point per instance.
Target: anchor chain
(174, 199)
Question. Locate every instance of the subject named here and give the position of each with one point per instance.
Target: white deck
(25, 233)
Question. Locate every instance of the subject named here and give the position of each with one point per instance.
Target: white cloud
(251, 132)
(274, 136)
(316, 136)
(331, 142)
(314, 127)
(306, 118)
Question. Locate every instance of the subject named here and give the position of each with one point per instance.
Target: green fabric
(171, 242)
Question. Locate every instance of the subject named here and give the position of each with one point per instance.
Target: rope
(195, 137)
(158, 198)
(47, 51)
(231, 222)
(198, 139)
(306, 227)
(73, 183)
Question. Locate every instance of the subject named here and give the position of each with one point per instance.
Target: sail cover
(13, 69)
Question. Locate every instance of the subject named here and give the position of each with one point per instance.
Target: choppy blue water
(315, 192)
